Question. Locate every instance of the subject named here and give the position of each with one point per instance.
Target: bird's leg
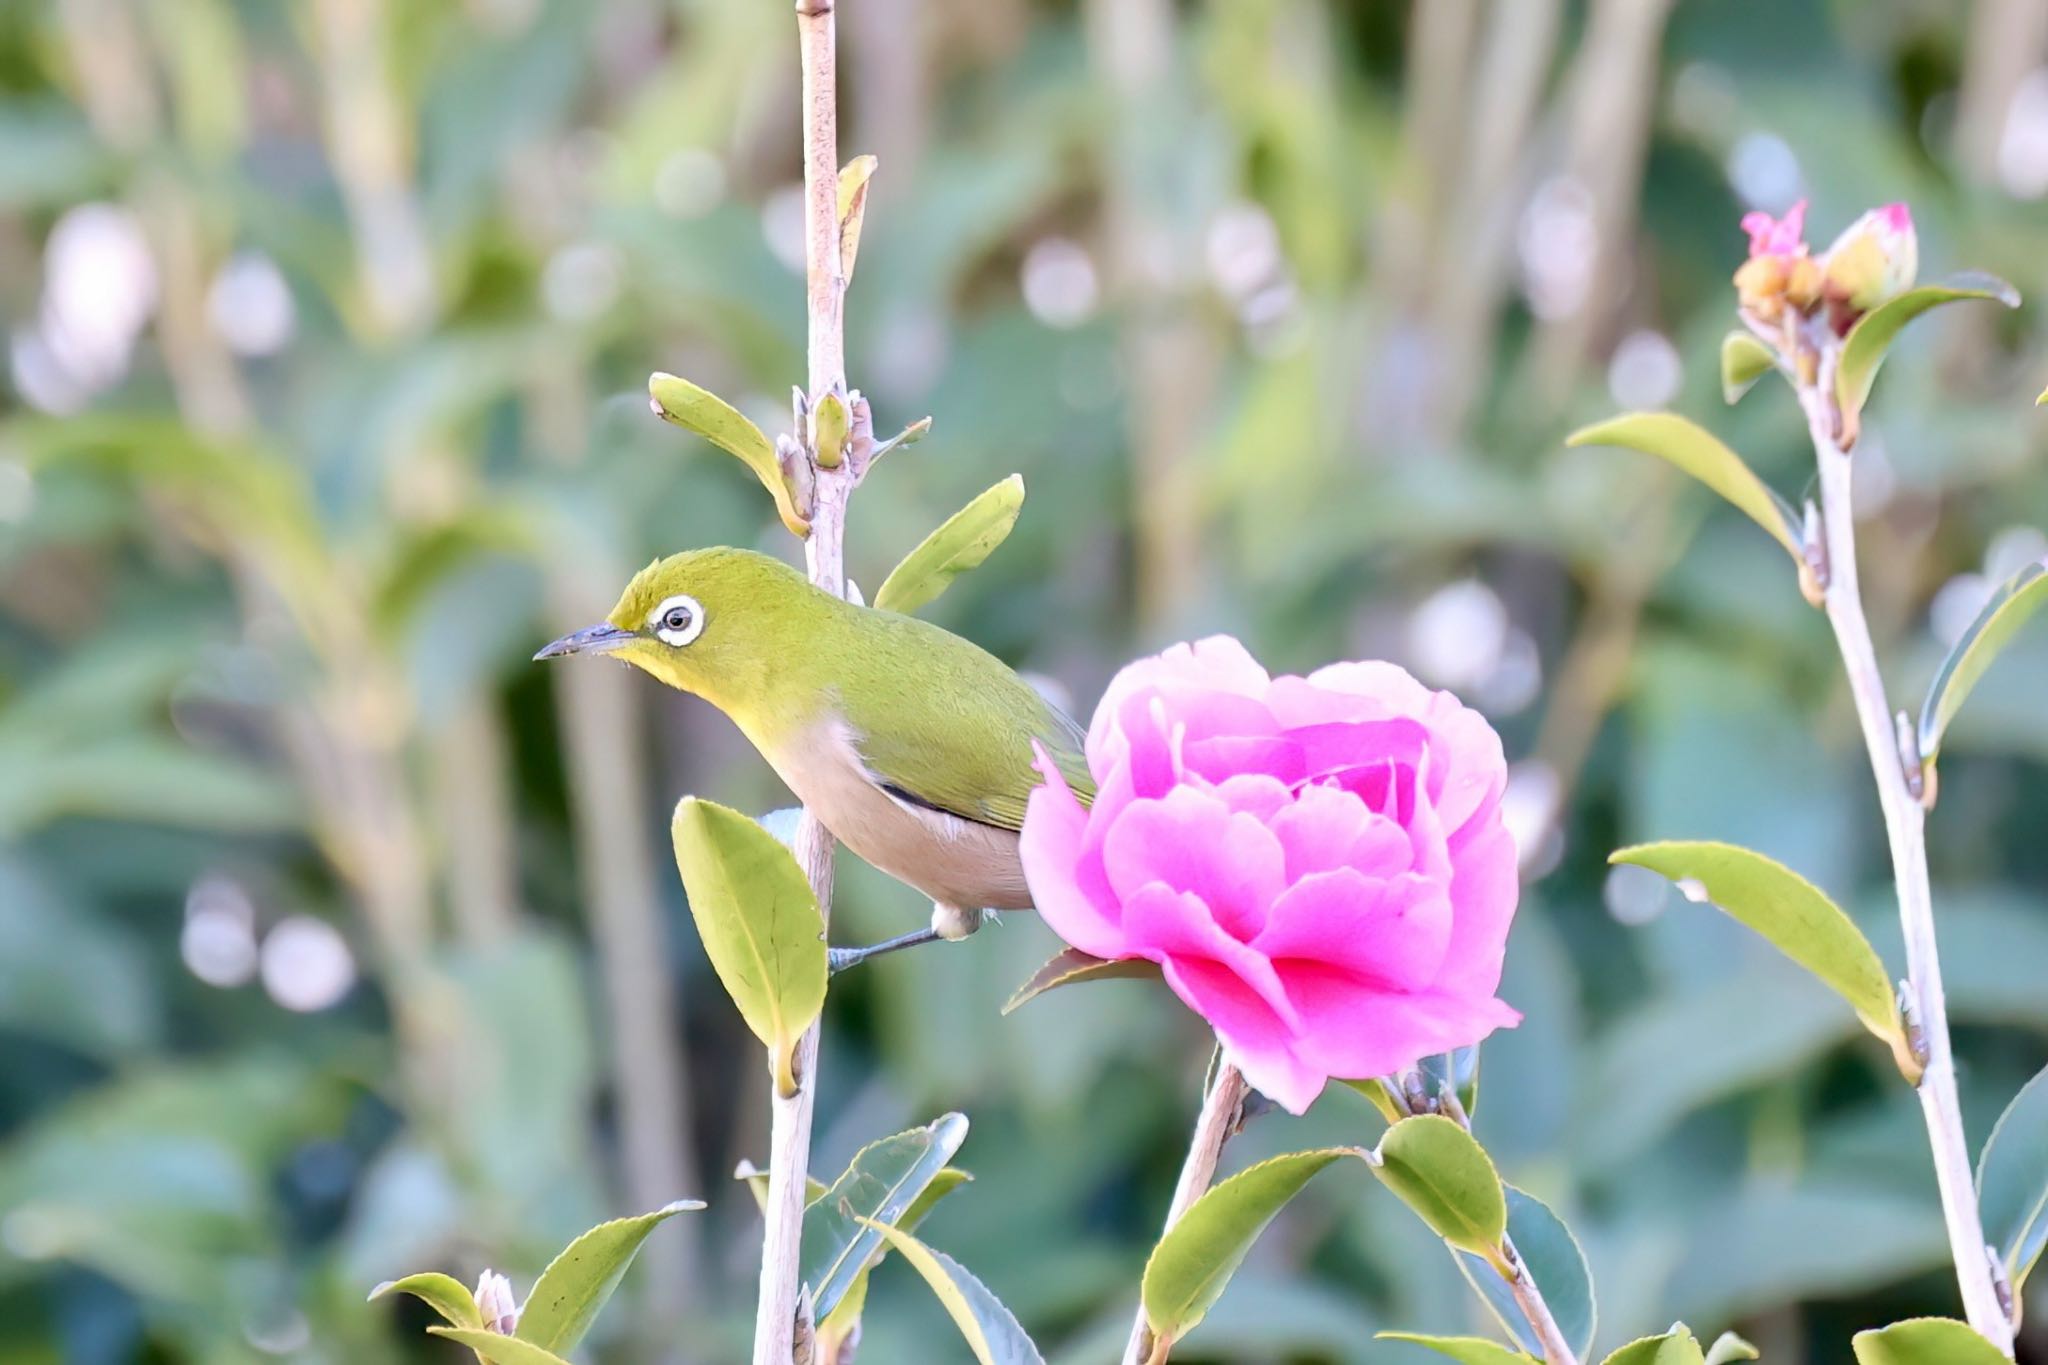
(839, 959)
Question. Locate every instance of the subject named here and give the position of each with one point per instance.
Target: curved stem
(1529, 1298)
(1904, 821)
(1222, 1106)
(775, 1323)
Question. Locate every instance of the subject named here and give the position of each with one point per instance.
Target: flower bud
(495, 1303)
(1876, 258)
(1778, 270)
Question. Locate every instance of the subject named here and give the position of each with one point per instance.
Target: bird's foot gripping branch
(1825, 323)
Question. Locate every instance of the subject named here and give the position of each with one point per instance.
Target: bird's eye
(678, 620)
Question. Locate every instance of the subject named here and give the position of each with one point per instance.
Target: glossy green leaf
(1744, 360)
(1693, 449)
(1464, 1350)
(444, 1294)
(1194, 1260)
(1675, 1347)
(839, 1323)
(2015, 602)
(882, 1182)
(2012, 1181)
(1382, 1097)
(1440, 1171)
(717, 421)
(1728, 1348)
(1073, 966)
(854, 178)
(1794, 916)
(1925, 1341)
(964, 540)
(498, 1349)
(578, 1282)
(1554, 1261)
(1863, 350)
(759, 922)
(991, 1331)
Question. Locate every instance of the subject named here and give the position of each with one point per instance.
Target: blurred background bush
(337, 940)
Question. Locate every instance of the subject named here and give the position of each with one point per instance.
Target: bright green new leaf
(444, 1294)
(838, 1324)
(991, 1330)
(1192, 1263)
(1072, 966)
(1700, 454)
(1795, 916)
(2015, 602)
(853, 210)
(577, 1283)
(759, 922)
(1465, 1350)
(719, 422)
(1729, 1348)
(1554, 1260)
(499, 1349)
(1925, 1341)
(1744, 360)
(882, 1182)
(1440, 1171)
(2012, 1181)
(1863, 350)
(1675, 1347)
(963, 541)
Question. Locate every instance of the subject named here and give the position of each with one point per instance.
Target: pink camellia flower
(1770, 236)
(1318, 864)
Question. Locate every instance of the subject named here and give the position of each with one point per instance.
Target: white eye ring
(678, 620)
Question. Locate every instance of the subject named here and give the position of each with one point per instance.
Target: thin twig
(775, 1323)
(1904, 820)
(1222, 1106)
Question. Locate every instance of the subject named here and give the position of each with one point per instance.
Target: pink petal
(1051, 847)
(1228, 984)
(1485, 886)
(1218, 664)
(1389, 934)
(1327, 827)
(1354, 1031)
(1191, 841)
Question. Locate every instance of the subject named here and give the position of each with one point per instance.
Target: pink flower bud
(1770, 236)
(1318, 864)
(1875, 258)
(495, 1303)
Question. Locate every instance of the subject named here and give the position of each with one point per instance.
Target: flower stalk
(1923, 998)
(781, 1321)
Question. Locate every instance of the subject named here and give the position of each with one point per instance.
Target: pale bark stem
(1222, 1108)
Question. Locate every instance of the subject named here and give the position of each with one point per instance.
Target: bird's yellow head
(719, 622)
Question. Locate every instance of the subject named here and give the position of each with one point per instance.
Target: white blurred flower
(250, 305)
(1765, 172)
(1556, 243)
(1243, 249)
(218, 942)
(690, 183)
(1645, 371)
(1529, 809)
(306, 964)
(2023, 143)
(1059, 284)
(1634, 895)
(1957, 604)
(782, 225)
(99, 291)
(1456, 636)
(1516, 678)
(2011, 550)
(581, 280)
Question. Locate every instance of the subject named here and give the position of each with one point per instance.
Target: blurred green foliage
(329, 329)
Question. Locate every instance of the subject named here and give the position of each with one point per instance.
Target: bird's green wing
(959, 738)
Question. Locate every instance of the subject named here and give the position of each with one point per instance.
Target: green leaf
(567, 1296)
(1700, 454)
(882, 1182)
(1925, 1341)
(966, 538)
(1797, 919)
(828, 431)
(1744, 360)
(1554, 1261)
(1440, 1171)
(1382, 1097)
(444, 1294)
(1863, 350)
(759, 922)
(717, 421)
(1675, 1347)
(991, 1331)
(2012, 1181)
(2016, 600)
(1728, 1348)
(1072, 966)
(757, 1184)
(498, 1349)
(1465, 1350)
(838, 1324)
(1193, 1262)
(853, 210)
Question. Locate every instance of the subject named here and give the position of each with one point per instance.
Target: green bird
(910, 744)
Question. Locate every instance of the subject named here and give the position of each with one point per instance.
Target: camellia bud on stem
(494, 1301)
(1875, 258)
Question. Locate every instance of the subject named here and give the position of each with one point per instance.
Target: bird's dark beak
(602, 638)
